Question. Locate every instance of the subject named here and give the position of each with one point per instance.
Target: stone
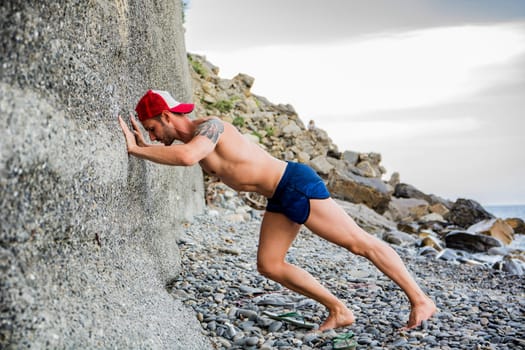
(321, 165)
(303, 157)
(398, 238)
(275, 326)
(357, 189)
(428, 252)
(394, 179)
(496, 228)
(351, 157)
(367, 169)
(419, 211)
(407, 209)
(511, 266)
(292, 128)
(439, 208)
(367, 218)
(403, 190)
(245, 79)
(432, 217)
(408, 227)
(433, 242)
(467, 212)
(447, 255)
(517, 224)
(470, 242)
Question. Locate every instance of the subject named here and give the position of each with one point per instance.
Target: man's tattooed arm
(211, 129)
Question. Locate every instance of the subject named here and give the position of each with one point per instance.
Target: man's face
(158, 130)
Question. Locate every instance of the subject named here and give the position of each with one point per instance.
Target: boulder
(432, 217)
(407, 209)
(351, 157)
(408, 227)
(398, 238)
(403, 190)
(438, 200)
(245, 81)
(321, 165)
(517, 225)
(470, 242)
(394, 179)
(496, 228)
(368, 169)
(357, 189)
(430, 241)
(467, 212)
(439, 208)
(291, 129)
(365, 217)
(428, 252)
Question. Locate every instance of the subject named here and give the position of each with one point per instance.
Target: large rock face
(88, 235)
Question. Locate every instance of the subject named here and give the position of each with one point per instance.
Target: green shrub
(197, 67)
(269, 131)
(238, 121)
(224, 106)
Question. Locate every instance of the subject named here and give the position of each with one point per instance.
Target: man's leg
(277, 234)
(328, 220)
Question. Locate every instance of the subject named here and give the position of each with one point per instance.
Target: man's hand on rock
(138, 134)
(131, 142)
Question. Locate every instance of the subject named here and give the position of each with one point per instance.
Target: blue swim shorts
(299, 184)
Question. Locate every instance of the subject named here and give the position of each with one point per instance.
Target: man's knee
(363, 246)
(269, 268)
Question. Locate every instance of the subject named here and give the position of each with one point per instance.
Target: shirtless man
(296, 196)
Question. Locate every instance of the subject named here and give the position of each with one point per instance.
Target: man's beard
(168, 142)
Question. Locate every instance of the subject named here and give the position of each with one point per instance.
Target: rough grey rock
(471, 242)
(406, 209)
(88, 235)
(357, 189)
(467, 212)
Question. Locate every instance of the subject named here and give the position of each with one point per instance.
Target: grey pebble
(252, 341)
(275, 326)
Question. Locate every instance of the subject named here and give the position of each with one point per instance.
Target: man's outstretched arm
(198, 148)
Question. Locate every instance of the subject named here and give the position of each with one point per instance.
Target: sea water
(506, 211)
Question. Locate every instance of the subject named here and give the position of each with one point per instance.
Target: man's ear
(165, 116)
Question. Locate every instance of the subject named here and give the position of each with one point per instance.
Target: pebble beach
(479, 308)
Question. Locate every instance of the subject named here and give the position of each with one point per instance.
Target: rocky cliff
(88, 235)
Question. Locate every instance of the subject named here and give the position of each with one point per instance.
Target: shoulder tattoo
(211, 129)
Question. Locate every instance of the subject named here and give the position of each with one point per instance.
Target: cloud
(380, 72)
(232, 24)
(346, 132)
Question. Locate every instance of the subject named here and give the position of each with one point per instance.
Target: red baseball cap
(154, 102)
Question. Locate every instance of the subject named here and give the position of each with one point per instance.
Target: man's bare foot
(340, 318)
(420, 312)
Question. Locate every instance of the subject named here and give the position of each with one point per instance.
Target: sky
(437, 87)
